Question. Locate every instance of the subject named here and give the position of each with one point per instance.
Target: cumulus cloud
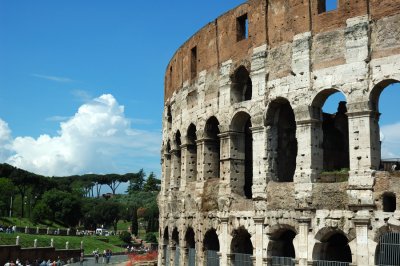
(391, 141)
(98, 138)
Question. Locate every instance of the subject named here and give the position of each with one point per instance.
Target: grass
(90, 243)
(22, 222)
(123, 225)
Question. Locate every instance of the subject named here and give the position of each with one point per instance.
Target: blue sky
(81, 82)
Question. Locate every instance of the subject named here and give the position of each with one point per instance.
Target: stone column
(232, 163)
(188, 165)
(361, 223)
(166, 171)
(364, 151)
(259, 149)
(309, 161)
(258, 243)
(175, 169)
(224, 243)
(172, 254)
(302, 248)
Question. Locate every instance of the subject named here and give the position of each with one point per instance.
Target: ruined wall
(296, 55)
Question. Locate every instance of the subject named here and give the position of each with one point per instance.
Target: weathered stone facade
(245, 140)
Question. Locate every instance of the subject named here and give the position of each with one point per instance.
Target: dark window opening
(241, 88)
(327, 5)
(192, 151)
(336, 248)
(282, 245)
(169, 117)
(242, 29)
(189, 238)
(241, 242)
(170, 77)
(211, 241)
(193, 63)
(248, 160)
(175, 237)
(212, 148)
(389, 202)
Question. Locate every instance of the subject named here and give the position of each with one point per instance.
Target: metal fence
(212, 258)
(177, 256)
(192, 257)
(240, 259)
(282, 261)
(330, 263)
(389, 249)
(166, 256)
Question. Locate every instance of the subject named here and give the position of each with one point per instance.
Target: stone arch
(241, 86)
(241, 241)
(166, 236)
(242, 153)
(211, 148)
(175, 237)
(176, 155)
(191, 156)
(281, 241)
(333, 245)
(211, 241)
(190, 239)
(374, 98)
(376, 92)
(335, 132)
(169, 117)
(281, 140)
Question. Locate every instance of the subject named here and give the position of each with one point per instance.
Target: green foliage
(7, 189)
(126, 237)
(136, 182)
(151, 238)
(40, 212)
(152, 183)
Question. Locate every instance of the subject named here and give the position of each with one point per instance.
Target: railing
(15, 240)
(212, 258)
(192, 257)
(330, 263)
(240, 259)
(282, 261)
(389, 249)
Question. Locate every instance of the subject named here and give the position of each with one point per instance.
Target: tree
(6, 192)
(150, 238)
(125, 237)
(152, 183)
(134, 221)
(23, 181)
(113, 181)
(136, 181)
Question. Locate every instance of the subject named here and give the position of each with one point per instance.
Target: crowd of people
(105, 257)
(8, 229)
(38, 262)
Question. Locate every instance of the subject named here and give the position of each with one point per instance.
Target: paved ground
(117, 259)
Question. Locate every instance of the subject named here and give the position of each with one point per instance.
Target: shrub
(125, 237)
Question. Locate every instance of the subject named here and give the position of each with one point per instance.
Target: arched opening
(282, 142)
(211, 149)
(191, 160)
(384, 99)
(387, 250)
(166, 250)
(330, 108)
(241, 247)
(241, 88)
(242, 177)
(169, 117)
(167, 166)
(176, 160)
(333, 247)
(175, 243)
(281, 246)
(191, 246)
(211, 247)
(389, 202)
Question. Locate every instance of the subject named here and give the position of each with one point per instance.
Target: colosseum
(253, 171)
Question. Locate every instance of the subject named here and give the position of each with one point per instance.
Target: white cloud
(5, 140)
(391, 141)
(98, 138)
(52, 78)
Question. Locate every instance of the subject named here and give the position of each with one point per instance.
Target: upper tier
(270, 22)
